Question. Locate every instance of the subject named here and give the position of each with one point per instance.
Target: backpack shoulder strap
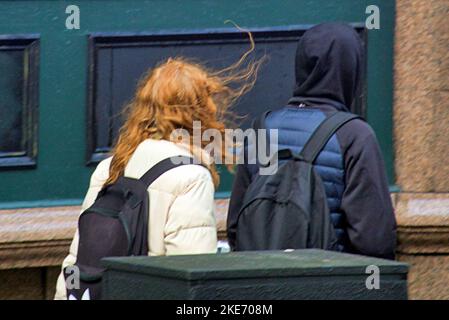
(323, 133)
(163, 166)
(259, 122)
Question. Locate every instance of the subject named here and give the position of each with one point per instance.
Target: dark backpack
(115, 225)
(288, 209)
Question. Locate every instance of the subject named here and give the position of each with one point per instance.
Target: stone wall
(28, 283)
(421, 130)
(33, 243)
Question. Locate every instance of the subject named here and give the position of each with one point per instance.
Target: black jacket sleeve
(241, 182)
(366, 199)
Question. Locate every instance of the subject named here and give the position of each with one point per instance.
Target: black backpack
(115, 225)
(288, 209)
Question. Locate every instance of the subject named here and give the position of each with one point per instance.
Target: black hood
(329, 66)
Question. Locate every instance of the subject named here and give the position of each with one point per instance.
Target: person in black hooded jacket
(329, 62)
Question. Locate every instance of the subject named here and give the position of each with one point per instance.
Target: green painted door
(60, 87)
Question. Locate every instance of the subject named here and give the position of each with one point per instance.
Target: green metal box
(299, 274)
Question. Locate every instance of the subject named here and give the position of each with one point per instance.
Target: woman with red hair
(172, 96)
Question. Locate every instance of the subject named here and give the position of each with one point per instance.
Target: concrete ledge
(36, 237)
(40, 237)
(221, 213)
(33, 254)
(423, 236)
(423, 223)
(423, 240)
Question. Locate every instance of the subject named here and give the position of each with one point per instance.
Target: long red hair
(175, 94)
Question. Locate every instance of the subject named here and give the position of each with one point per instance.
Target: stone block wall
(421, 131)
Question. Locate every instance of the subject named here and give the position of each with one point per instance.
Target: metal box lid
(255, 264)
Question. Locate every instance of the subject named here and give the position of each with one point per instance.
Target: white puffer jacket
(182, 219)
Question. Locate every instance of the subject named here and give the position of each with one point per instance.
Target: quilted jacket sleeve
(191, 226)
